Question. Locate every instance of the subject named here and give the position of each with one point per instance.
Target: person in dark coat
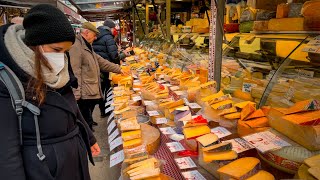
(35, 52)
(106, 47)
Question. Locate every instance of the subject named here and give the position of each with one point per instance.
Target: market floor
(101, 170)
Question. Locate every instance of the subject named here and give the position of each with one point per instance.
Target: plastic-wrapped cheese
(286, 24)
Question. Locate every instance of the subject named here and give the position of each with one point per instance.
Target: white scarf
(25, 58)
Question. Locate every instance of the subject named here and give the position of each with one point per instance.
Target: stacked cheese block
(131, 132)
(195, 128)
(147, 169)
(310, 169)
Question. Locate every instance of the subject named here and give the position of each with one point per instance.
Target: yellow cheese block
(243, 104)
(242, 95)
(132, 143)
(313, 161)
(129, 135)
(228, 111)
(220, 99)
(315, 171)
(302, 106)
(247, 110)
(222, 105)
(147, 174)
(308, 118)
(162, 96)
(235, 115)
(284, 48)
(208, 98)
(303, 173)
(286, 24)
(257, 114)
(219, 156)
(195, 131)
(208, 139)
(148, 164)
(262, 175)
(175, 104)
(224, 146)
(129, 124)
(122, 111)
(240, 167)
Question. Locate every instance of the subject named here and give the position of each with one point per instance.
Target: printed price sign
(168, 85)
(153, 113)
(193, 175)
(175, 146)
(137, 98)
(194, 106)
(136, 89)
(247, 87)
(240, 145)
(108, 103)
(221, 132)
(148, 103)
(185, 163)
(113, 135)
(305, 73)
(167, 130)
(161, 120)
(110, 117)
(266, 141)
(109, 109)
(111, 126)
(116, 158)
(109, 93)
(174, 88)
(115, 143)
(136, 81)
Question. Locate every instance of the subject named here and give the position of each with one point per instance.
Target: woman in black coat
(35, 52)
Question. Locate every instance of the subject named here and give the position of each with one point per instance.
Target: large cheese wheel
(311, 8)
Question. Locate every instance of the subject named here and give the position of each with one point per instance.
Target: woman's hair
(36, 85)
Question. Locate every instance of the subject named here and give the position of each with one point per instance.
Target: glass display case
(272, 69)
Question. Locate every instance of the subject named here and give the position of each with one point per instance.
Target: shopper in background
(107, 48)
(86, 65)
(59, 146)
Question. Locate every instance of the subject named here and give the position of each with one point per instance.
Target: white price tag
(161, 82)
(167, 130)
(194, 106)
(115, 143)
(136, 81)
(266, 141)
(111, 126)
(136, 89)
(174, 88)
(134, 76)
(247, 87)
(186, 101)
(110, 117)
(109, 93)
(108, 103)
(185, 163)
(240, 145)
(109, 98)
(109, 109)
(193, 175)
(153, 113)
(168, 85)
(113, 135)
(175, 146)
(305, 73)
(161, 120)
(116, 158)
(137, 98)
(148, 103)
(221, 132)
(179, 93)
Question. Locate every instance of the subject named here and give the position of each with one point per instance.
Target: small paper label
(136, 89)
(161, 120)
(153, 113)
(113, 135)
(186, 101)
(109, 109)
(108, 103)
(137, 98)
(240, 145)
(167, 130)
(179, 93)
(136, 81)
(175, 146)
(109, 93)
(185, 163)
(116, 158)
(148, 103)
(193, 175)
(174, 88)
(194, 106)
(247, 87)
(266, 141)
(109, 98)
(110, 117)
(168, 85)
(115, 143)
(161, 82)
(137, 84)
(221, 132)
(111, 126)
(305, 73)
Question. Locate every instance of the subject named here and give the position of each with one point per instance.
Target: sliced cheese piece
(243, 104)
(224, 146)
(162, 96)
(247, 110)
(208, 139)
(265, 109)
(220, 99)
(303, 173)
(307, 105)
(313, 161)
(129, 135)
(147, 174)
(256, 114)
(153, 160)
(311, 118)
(136, 160)
(228, 111)
(219, 156)
(141, 170)
(132, 143)
(208, 98)
(175, 104)
(142, 166)
(196, 131)
(129, 124)
(210, 83)
(122, 111)
(257, 123)
(222, 105)
(315, 171)
(235, 115)
(262, 175)
(240, 168)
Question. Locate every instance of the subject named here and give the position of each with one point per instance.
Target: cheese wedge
(142, 166)
(224, 146)
(162, 96)
(228, 111)
(307, 105)
(208, 98)
(208, 139)
(141, 170)
(247, 110)
(222, 105)
(153, 160)
(136, 160)
(256, 114)
(265, 109)
(147, 174)
(313, 161)
(122, 111)
(175, 104)
(129, 124)
(311, 118)
(262, 175)
(315, 171)
(219, 156)
(210, 83)
(243, 104)
(220, 99)
(196, 131)
(129, 135)
(132, 143)
(232, 116)
(303, 173)
(240, 167)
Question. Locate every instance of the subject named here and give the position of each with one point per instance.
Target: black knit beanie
(46, 24)
(109, 23)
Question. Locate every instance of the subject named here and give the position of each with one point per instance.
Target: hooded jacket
(66, 154)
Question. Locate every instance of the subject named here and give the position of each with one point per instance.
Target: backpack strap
(17, 94)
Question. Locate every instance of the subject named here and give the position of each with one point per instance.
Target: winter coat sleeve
(92, 138)
(122, 56)
(11, 162)
(107, 66)
(76, 63)
(112, 49)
